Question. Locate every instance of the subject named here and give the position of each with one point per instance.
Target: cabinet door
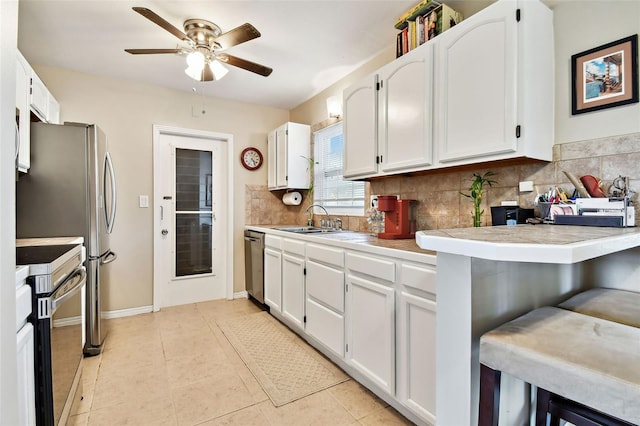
(405, 108)
(23, 75)
(298, 137)
(53, 111)
(417, 355)
(476, 85)
(325, 305)
(281, 156)
(293, 289)
(370, 331)
(39, 97)
(26, 381)
(271, 160)
(273, 278)
(360, 134)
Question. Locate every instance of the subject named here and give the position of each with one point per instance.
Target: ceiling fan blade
(244, 32)
(247, 65)
(151, 51)
(156, 19)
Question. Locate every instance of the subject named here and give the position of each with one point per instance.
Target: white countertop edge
(412, 256)
(526, 252)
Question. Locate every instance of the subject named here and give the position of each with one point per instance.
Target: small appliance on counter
(509, 215)
(399, 217)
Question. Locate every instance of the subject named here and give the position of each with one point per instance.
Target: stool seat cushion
(614, 305)
(586, 359)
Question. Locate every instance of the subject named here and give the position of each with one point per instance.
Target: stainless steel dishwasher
(254, 264)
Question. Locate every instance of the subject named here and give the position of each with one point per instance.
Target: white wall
(8, 375)
(580, 26)
(126, 111)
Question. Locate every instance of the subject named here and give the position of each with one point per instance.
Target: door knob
(164, 232)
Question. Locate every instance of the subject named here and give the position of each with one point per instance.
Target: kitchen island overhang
(490, 275)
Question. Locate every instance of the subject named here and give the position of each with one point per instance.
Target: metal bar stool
(586, 368)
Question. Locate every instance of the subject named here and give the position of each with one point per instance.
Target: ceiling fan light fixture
(218, 69)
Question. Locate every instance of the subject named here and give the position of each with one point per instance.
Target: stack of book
(422, 23)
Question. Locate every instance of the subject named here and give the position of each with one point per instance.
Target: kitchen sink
(306, 229)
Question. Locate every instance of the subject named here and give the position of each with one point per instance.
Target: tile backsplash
(440, 204)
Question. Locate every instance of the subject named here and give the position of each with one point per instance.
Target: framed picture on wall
(605, 76)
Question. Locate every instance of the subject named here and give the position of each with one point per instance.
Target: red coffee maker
(399, 217)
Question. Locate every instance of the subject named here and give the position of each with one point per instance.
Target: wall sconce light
(334, 106)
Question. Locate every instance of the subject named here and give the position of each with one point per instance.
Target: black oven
(57, 277)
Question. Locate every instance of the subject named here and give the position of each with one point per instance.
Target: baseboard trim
(67, 321)
(241, 295)
(127, 312)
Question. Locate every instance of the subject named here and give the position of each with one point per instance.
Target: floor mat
(286, 367)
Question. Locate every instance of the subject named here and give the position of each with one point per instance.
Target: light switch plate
(144, 201)
(526, 186)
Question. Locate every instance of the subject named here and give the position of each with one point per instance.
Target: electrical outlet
(373, 202)
(526, 186)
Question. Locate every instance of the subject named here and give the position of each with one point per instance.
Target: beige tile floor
(175, 367)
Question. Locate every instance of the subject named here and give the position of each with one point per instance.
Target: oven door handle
(70, 286)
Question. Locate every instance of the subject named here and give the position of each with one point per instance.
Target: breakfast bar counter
(490, 275)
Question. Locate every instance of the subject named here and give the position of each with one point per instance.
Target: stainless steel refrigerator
(70, 190)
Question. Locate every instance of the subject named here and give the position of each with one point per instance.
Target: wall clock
(251, 158)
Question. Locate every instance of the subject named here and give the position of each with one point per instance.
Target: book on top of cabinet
(419, 9)
(425, 27)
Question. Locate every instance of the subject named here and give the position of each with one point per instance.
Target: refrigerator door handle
(108, 257)
(114, 199)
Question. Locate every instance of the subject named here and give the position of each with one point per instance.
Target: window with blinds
(338, 196)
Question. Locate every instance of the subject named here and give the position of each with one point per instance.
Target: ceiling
(309, 44)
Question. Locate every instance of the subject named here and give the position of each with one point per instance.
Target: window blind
(337, 195)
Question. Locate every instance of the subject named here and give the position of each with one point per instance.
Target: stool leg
(489, 396)
(543, 399)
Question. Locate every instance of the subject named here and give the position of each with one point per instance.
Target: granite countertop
(531, 243)
(351, 239)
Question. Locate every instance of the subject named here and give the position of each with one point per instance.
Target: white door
(360, 135)
(192, 217)
(293, 289)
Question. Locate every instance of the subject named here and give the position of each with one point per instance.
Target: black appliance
(510, 215)
(57, 277)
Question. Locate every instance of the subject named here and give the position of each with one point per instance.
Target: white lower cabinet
(370, 316)
(26, 382)
(416, 352)
(373, 314)
(293, 278)
(273, 273)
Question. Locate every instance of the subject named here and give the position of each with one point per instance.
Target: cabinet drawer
(374, 266)
(326, 285)
(328, 255)
(326, 326)
(293, 246)
(273, 242)
(419, 277)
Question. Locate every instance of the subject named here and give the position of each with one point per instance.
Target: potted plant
(476, 191)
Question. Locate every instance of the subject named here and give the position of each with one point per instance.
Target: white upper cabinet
(31, 96)
(288, 157)
(39, 97)
(404, 108)
(494, 91)
(481, 91)
(387, 118)
(23, 113)
(360, 111)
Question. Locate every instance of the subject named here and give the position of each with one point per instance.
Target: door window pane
(193, 244)
(194, 216)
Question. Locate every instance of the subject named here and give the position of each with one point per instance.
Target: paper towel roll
(292, 198)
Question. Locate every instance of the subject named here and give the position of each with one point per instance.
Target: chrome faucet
(322, 207)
